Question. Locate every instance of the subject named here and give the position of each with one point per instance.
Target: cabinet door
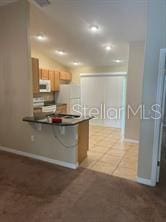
(62, 109)
(62, 75)
(54, 78)
(66, 76)
(35, 74)
(37, 111)
(83, 140)
(40, 73)
(56, 81)
(45, 74)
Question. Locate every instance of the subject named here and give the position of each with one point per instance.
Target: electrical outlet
(32, 138)
(62, 130)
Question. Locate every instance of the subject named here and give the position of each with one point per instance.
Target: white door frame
(103, 74)
(156, 141)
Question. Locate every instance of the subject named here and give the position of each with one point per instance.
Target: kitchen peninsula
(66, 142)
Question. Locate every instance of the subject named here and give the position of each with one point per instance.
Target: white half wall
(16, 91)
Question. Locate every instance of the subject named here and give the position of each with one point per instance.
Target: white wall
(46, 62)
(134, 89)
(96, 69)
(16, 90)
(155, 40)
(15, 74)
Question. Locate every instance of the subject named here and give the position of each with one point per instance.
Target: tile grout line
(99, 160)
(117, 140)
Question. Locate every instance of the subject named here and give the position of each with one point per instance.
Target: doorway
(108, 153)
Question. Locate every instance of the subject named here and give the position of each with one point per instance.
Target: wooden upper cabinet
(54, 78)
(44, 74)
(40, 74)
(35, 75)
(57, 81)
(66, 76)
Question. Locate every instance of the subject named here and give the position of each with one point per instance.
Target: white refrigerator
(70, 94)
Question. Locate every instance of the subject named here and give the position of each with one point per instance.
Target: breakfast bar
(65, 137)
(66, 119)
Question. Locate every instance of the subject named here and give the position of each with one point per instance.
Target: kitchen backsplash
(46, 96)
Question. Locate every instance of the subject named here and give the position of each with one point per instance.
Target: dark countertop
(50, 103)
(67, 119)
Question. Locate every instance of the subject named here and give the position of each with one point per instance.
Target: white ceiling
(66, 23)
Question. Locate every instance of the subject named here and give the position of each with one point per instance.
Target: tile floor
(107, 154)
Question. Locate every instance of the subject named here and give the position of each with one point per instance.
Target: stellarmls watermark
(104, 111)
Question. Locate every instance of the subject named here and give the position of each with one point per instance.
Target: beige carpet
(32, 191)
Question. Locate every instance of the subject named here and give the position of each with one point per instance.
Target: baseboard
(144, 181)
(38, 157)
(130, 141)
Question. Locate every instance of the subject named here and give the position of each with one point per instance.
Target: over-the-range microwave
(45, 85)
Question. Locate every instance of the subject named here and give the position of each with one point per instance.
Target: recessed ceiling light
(108, 47)
(76, 63)
(41, 37)
(60, 52)
(118, 61)
(94, 28)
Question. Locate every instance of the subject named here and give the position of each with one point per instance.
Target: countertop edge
(27, 119)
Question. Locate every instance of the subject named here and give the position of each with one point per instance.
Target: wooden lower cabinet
(37, 110)
(61, 109)
(83, 140)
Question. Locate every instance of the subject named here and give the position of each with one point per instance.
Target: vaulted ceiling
(66, 25)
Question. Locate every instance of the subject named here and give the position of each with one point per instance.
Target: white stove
(38, 102)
